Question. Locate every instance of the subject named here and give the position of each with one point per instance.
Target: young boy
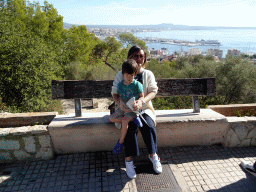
(127, 89)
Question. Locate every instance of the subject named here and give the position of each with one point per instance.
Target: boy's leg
(117, 117)
(127, 118)
(119, 145)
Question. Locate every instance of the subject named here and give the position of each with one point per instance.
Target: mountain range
(163, 26)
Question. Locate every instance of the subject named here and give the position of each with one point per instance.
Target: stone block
(21, 155)
(38, 129)
(19, 131)
(250, 126)
(241, 131)
(251, 134)
(9, 144)
(44, 153)
(253, 141)
(245, 143)
(30, 145)
(5, 156)
(45, 141)
(232, 139)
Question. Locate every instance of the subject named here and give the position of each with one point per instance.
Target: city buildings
(215, 52)
(233, 52)
(195, 51)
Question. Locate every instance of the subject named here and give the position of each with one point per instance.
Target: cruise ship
(208, 42)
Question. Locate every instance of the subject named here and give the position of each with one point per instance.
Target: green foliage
(236, 80)
(130, 40)
(28, 56)
(161, 70)
(184, 102)
(109, 52)
(240, 113)
(79, 44)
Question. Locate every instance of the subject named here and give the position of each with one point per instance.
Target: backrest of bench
(74, 89)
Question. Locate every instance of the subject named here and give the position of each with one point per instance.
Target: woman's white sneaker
(156, 163)
(130, 171)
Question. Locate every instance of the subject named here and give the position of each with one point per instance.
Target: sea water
(239, 38)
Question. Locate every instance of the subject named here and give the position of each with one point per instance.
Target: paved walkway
(197, 168)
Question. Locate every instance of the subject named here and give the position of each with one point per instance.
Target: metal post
(78, 108)
(196, 104)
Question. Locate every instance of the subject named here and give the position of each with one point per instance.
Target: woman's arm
(139, 103)
(150, 87)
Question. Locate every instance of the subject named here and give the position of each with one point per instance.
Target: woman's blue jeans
(148, 133)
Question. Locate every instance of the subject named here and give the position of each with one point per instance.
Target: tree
(130, 40)
(108, 52)
(29, 60)
(236, 80)
(79, 44)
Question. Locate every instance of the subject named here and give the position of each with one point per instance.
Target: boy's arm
(141, 96)
(116, 98)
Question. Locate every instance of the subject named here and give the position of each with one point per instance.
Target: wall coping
(162, 116)
(25, 130)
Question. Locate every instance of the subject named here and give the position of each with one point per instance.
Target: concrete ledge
(233, 109)
(26, 119)
(94, 131)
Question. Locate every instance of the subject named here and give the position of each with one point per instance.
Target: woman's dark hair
(129, 66)
(135, 49)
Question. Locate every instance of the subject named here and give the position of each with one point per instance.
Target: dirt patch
(87, 105)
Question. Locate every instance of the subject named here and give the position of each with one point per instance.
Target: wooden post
(78, 108)
(196, 104)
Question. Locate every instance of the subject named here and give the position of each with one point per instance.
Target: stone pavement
(196, 168)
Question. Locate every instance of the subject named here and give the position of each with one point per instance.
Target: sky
(228, 13)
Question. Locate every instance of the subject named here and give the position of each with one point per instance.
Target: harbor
(202, 42)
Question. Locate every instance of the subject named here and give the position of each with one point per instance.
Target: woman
(148, 130)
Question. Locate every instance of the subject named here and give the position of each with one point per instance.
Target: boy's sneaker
(118, 125)
(156, 163)
(248, 167)
(130, 171)
(138, 122)
(118, 148)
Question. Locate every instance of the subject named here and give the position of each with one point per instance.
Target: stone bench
(94, 131)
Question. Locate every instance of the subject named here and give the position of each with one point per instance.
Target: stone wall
(25, 143)
(34, 142)
(241, 132)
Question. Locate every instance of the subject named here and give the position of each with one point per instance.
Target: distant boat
(208, 42)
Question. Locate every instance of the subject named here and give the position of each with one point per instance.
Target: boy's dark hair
(129, 66)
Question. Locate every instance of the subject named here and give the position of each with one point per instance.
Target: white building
(195, 51)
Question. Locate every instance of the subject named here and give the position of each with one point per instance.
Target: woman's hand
(138, 105)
